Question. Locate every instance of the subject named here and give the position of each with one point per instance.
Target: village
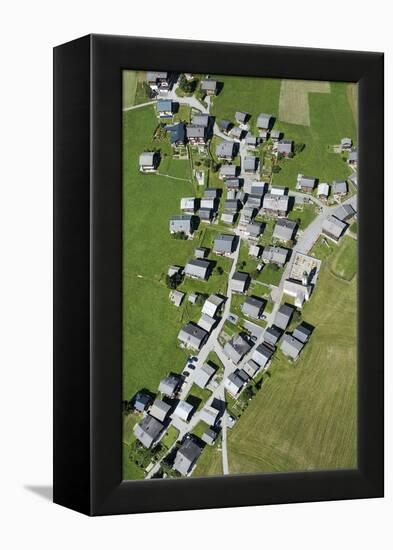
(245, 326)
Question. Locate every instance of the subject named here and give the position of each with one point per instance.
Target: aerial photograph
(240, 261)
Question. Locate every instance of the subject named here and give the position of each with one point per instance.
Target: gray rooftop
(186, 456)
(302, 333)
(263, 120)
(225, 149)
(333, 227)
(148, 430)
(272, 335)
(284, 229)
(192, 335)
(290, 346)
(283, 316)
(224, 244)
(197, 268)
(160, 409)
(253, 307)
(236, 348)
(201, 120)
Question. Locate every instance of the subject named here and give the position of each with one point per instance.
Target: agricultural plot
(294, 106)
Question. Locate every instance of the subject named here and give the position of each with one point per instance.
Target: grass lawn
(304, 417)
(198, 396)
(271, 274)
(306, 214)
(130, 469)
(210, 462)
(354, 228)
(344, 263)
(200, 429)
(130, 79)
(170, 437)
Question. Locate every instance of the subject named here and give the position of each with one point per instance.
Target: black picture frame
(88, 274)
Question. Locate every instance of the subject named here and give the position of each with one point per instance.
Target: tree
(298, 148)
(220, 270)
(276, 168)
(296, 316)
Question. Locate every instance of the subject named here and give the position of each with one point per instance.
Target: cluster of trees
(126, 406)
(180, 235)
(187, 86)
(173, 281)
(142, 456)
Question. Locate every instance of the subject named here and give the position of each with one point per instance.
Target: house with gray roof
(149, 161)
(170, 384)
(206, 322)
(209, 87)
(283, 316)
(284, 147)
(209, 415)
(176, 297)
(208, 202)
(206, 214)
(264, 121)
(232, 205)
(232, 183)
(255, 250)
(235, 382)
(240, 282)
(228, 171)
(209, 436)
(197, 269)
(211, 193)
(236, 133)
(201, 252)
(142, 401)
(183, 410)
(251, 368)
(236, 348)
(253, 307)
(262, 355)
(276, 205)
(254, 230)
(160, 410)
(225, 125)
(252, 141)
(300, 290)
(188, 204)
(323, 191)
(333, 228)
(224, 244)
(272, 335)
(305, 183)
(275, 255)
(345, 212)
(165, 108)
(346, 143)
(353, 158)
(258, 188)
(192, 336)
(149, 431)
(339, 188)
(254, 201)
(203, 375)
(158, 80)
(284, 229)
(242, 117)
(290, 346)
(213, 305)
(201, 119)
(250, 164)
(275, 135)
(196, 134)
(182, 224)
(302, 332)
(228, 217)
(186, 456)
(225, 150)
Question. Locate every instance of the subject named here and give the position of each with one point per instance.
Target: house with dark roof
(228, 171)
(284, 230)
(302, 332)
(236, 348)
(206, 214)
(170, 385)
(254, 230)
(196, 135)
(262, 354)
(142, 401)
(242, 117)
(149, 431)
(198, 269)
(209, 436)
(177, 133)
(235, 382)
(345, 212)
(192, 336)
(225, 126)
(224, 244)
(251, 368)
(272, 335)
(209, 87)
(186, 456)
(339, 188)
(165, 108)
(225, 150)
(160, 410)
(264, 121)
(253, 307)
(240, 282)
(232, 183)
(232, 205)
(283, 316)
(333, 228)
(250, 164)
(149, 161)
(290, 346)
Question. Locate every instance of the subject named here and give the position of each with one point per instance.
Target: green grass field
(304, 417)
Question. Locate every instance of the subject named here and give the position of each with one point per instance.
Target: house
(228, 217)
(188, 204)
(254, 230)
(201, 252)
(290, 346)
(323, 190)
(263, 135)
(236, 348)
(206, 322)
(201, 119)
(277, 205)
(255, 250)
(278, 190)
(354, 178)
(183, 410)
(208, 202)
(232, 205)
(203, 375)
(305, 183)
(198, 269)
(275, 135)
(196, 135)
(254, 201)
(160, 410)
(177, 133)
(170, 385)
(251, 368)
(149, 431)
(232, 183)
(224, 244)
(247, 215)
(272, 335)
(209, 436)
(176, 297)
(300, 290)
(209, 415)
(283, 316)
(345, 212)
(353, 158)
(275, 255)
(253, 307)
(206, 214)
(174, 270)
(236, 133)
(225, 150)
(284, 147)
(213, 305)
(302, 332)
(186, 456)
(264, 121)
(252, 142)
(165, 108)
(250, 164)
(209, 87)
(211, 193)
(192, 298)
(142, 401)
(339, 188)
(262, 355)
(242, 117)
(157, 80)
(235, 382)
(192, 336)
(225, 126)
(240, 282)
(182, 224)
(258, 188)
(228, 171)
(346, 144)
(333, 228)
(148, 161)
(284, 229)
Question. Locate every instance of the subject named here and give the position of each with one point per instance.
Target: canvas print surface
(239, 275)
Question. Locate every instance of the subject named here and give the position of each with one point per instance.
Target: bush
(276, 168)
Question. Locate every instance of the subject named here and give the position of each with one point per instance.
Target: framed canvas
(218, 275)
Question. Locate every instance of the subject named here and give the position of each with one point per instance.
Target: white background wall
(29, 29)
